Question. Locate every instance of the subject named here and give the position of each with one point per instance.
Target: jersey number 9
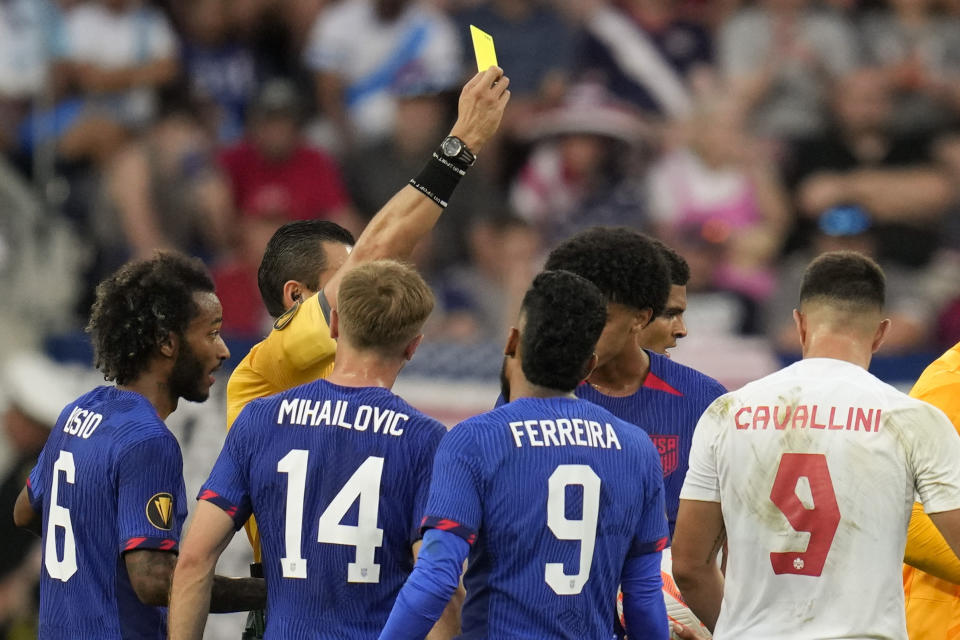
(563, 528)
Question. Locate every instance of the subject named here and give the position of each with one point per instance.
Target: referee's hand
(481, 106)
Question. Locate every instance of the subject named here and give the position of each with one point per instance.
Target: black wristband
(438, 178)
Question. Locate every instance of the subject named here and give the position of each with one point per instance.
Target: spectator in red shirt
(275, 174)
(275, 177)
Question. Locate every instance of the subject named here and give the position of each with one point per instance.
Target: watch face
(451, 147)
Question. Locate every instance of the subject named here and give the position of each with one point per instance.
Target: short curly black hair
(623, 263)
(679, 269)
(138, 307)
(293, 253)
(563, 317)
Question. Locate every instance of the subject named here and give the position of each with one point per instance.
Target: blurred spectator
(218, 67)
(166, 191)
(524, 31)
(860, 161)
(275, 177)
(646, 53)
(374, 172)
(480, 300)
(583, 168)
(25, 30)
(721, 189)
(360, 48)
(115, 53)
(779, 57)
(275, 174)
(913, 300)
(919, 50)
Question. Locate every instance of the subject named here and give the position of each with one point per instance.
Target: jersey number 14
(365, 535)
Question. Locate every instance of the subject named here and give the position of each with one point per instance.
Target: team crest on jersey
(160, 511)
(668, 447)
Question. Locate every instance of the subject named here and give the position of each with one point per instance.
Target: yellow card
(483, 48)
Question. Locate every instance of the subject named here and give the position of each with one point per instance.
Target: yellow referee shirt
(933, 605)
(300, 352)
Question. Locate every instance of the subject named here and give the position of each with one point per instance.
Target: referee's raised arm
(410, 214)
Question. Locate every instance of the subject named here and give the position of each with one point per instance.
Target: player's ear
(293, 291)
(642, 319)
(334, 324)
(590, 366)
(411, 347)
(881, 334)
(169, 345)
(513, 341)
(800, 321)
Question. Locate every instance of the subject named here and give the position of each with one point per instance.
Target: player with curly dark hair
(109, 481)
(633, 382)
(142, 309)
(665, 329)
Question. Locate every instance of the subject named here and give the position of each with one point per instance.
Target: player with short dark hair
(299, 256)
(301, 459)
(810, 474)
(109, 480)
(649, 390)
(667, 327)
(554, 499)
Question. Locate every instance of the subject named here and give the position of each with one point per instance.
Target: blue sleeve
(652, 527)
(151, 505)
(456, 487)
(428, 589)
(228, 486)
(643, 607)
(424, 472)
(35, 488)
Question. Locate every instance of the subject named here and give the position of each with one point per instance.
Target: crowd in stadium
(749, 136)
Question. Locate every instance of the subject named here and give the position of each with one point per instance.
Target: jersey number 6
(820, 520)
(365, 536)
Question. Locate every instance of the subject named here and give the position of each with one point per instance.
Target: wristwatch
(454, 148)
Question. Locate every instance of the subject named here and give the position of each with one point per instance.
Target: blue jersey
(668, 407)
(337, 478)
(554, 495)
(109, 480)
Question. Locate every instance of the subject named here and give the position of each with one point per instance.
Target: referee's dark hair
(294, 253)
(624, 264)
(846, 280)
(679, 269)
(138, 307)
(563, 316)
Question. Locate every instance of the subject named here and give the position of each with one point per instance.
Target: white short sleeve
(935, 456)
(702, 481)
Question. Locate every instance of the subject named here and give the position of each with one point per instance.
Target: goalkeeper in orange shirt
(932, 573)
(300, 287)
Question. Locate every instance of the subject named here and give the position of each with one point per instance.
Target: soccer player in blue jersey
(336, 472)
(637, 275)
(663, 331)
(108, 490)
(555, 500)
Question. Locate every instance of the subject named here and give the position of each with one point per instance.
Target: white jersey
(816, 468)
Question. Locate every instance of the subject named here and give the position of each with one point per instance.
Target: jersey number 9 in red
(820, 521)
